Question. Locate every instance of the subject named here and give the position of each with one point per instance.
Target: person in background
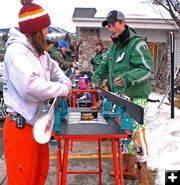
(49, 46)
(69, 64)
(56, 54)
(96, 60)
(129, 64)
(67, 38)
(85, 71)
(53, 51)
(99, 53)
(65, 51)
(31, 79)
(73, 52)
(63, 47)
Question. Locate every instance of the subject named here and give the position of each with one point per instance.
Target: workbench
(84, 130)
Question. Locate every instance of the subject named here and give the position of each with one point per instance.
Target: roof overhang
(161, 24)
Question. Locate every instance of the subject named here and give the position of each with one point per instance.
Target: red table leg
(120, 162)
(116, 171)
(100, 161)
(74, 99)
(65, 162)
(94, 99)
(58, 162)
(62, 163)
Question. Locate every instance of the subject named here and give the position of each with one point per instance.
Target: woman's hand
(69, 90)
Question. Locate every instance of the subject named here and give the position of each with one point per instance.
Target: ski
(135, 111)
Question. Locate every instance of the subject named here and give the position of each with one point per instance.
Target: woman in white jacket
(31, 78)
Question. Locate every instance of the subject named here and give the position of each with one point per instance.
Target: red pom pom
(26, 2)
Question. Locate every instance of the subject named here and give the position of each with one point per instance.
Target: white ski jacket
(29, 80)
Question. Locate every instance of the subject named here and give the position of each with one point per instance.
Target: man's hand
(118, 82)
(93, 85)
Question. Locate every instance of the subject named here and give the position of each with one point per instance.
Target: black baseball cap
(112, 17)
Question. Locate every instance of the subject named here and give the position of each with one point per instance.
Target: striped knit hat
(32, 17)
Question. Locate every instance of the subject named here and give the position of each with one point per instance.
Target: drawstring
(3, 180)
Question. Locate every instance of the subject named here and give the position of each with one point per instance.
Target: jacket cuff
(125, 80)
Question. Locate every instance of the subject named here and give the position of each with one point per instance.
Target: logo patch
(120, 57)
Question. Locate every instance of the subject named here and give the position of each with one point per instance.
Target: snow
(163, 138)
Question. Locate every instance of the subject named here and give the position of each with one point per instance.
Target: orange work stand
(89, 131)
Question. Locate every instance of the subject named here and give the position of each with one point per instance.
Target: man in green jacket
(129, 65)
(100, 52)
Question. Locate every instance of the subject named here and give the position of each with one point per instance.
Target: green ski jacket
(96, 60)
(132, 62)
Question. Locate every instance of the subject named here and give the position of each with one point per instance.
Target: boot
(129, 166)
(129, 170)
(142, 173)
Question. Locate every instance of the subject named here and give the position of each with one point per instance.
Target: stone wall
(89, 38)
